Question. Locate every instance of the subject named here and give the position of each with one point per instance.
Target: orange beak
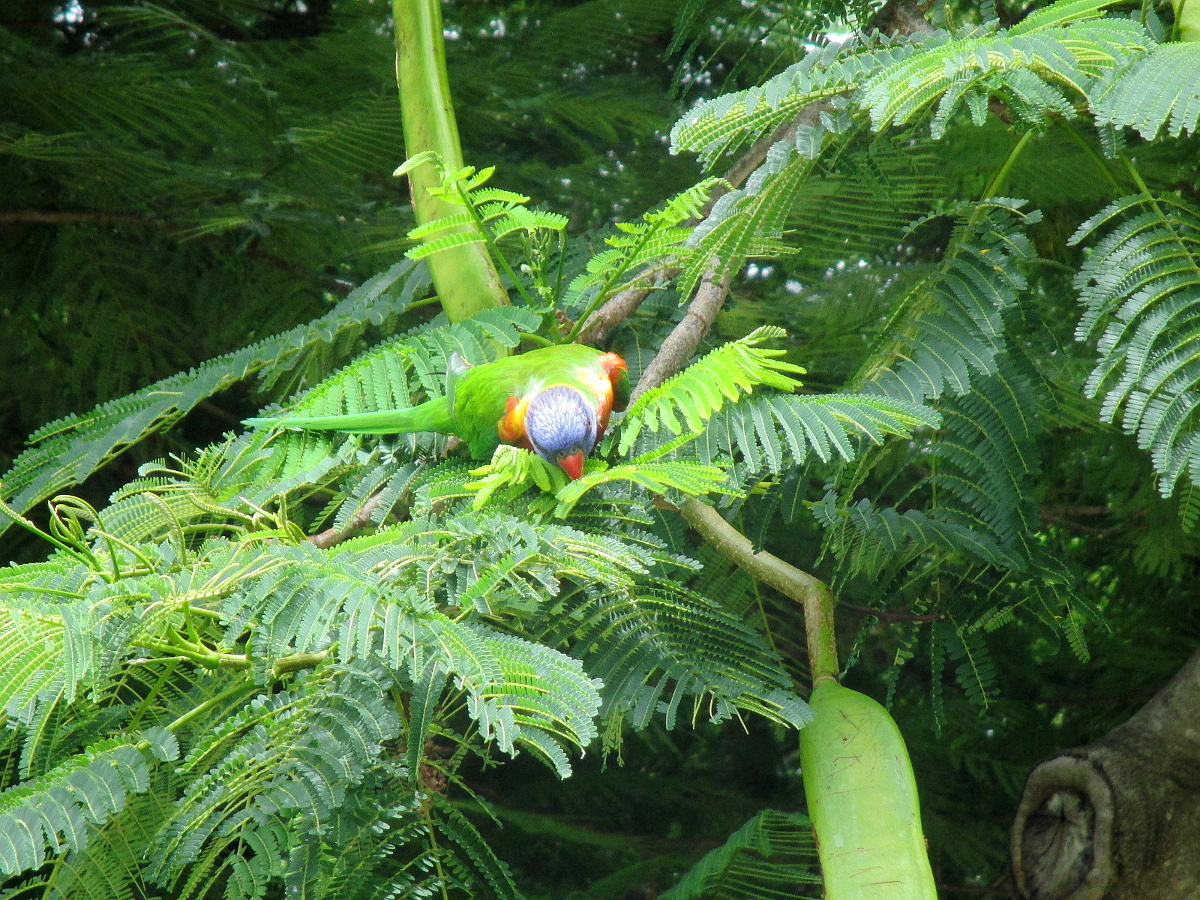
(572, 465)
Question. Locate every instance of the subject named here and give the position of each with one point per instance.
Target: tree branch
(683, 340)
(331, 536)
(809, 591)
(902, 17)
(625, 303)
(1117, 818)
(619, 307)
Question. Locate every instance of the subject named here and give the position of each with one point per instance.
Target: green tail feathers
(433, 415)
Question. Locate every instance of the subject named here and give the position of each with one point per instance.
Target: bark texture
(1119, 819)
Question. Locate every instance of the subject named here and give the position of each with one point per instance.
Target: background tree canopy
(976, 230)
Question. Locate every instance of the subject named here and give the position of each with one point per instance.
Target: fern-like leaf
(1159, 90)
(55, 812)
(686, 401)
(729, 122)
(770, 856)
(771, 433)
(951, 323)
(749, 221)
(1038, 69)
(543, 701)
(68, 450)
(486, 868)
(655, 649)
(492, 213)
(1141, 290)
(657, 240)
(296, 751)
(693, 479)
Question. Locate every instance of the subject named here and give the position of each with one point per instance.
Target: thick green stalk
(858, 778)
(465, 279)
(1187, 19)
(810, 592)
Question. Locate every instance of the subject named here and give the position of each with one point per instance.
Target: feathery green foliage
(1153, 92)
(207, 703)
(68, 450)
(749, 222)
(53, 812)
(492, 213)
(1140, 287)
(951, 324)
(685, 401)
(642, 248)
(731, 122)
(1038, 69)
(773, 434)
(489, 216)
(770, 856)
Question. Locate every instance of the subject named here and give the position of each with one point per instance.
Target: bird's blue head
(561, 427)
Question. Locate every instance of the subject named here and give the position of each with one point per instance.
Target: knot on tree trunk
(1120, 818)
(1062, 837)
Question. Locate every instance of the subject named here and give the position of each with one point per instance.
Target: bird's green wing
(486, 396)
(490, 399)
(456, 367)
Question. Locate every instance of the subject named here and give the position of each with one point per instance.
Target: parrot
(554, 401)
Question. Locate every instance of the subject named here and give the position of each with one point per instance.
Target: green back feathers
(482, 393)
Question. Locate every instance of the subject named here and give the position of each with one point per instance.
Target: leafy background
(185, 180)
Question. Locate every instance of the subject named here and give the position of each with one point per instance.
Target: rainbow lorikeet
(554, 401)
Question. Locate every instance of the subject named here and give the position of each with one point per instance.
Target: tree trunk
(1120, 818)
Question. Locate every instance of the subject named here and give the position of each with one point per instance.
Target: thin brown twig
(683, 340)
(361, 519)
(625, 303)
(890, 616)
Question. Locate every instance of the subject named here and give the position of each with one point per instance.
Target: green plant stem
(54, 592)
(165, 674)
(464, 277)
(1184, 249)
(232, 691)
(537, 339)
(203, 610)
(213, 659)
(210, 659)
(437, 852)
(560, 269)
(1140, 182)
(1006, 167)
(490, 242)
(114, 541)
(807, 590)
(88, 562)
(297, 661)
(1187, 20)
(1087, 148)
